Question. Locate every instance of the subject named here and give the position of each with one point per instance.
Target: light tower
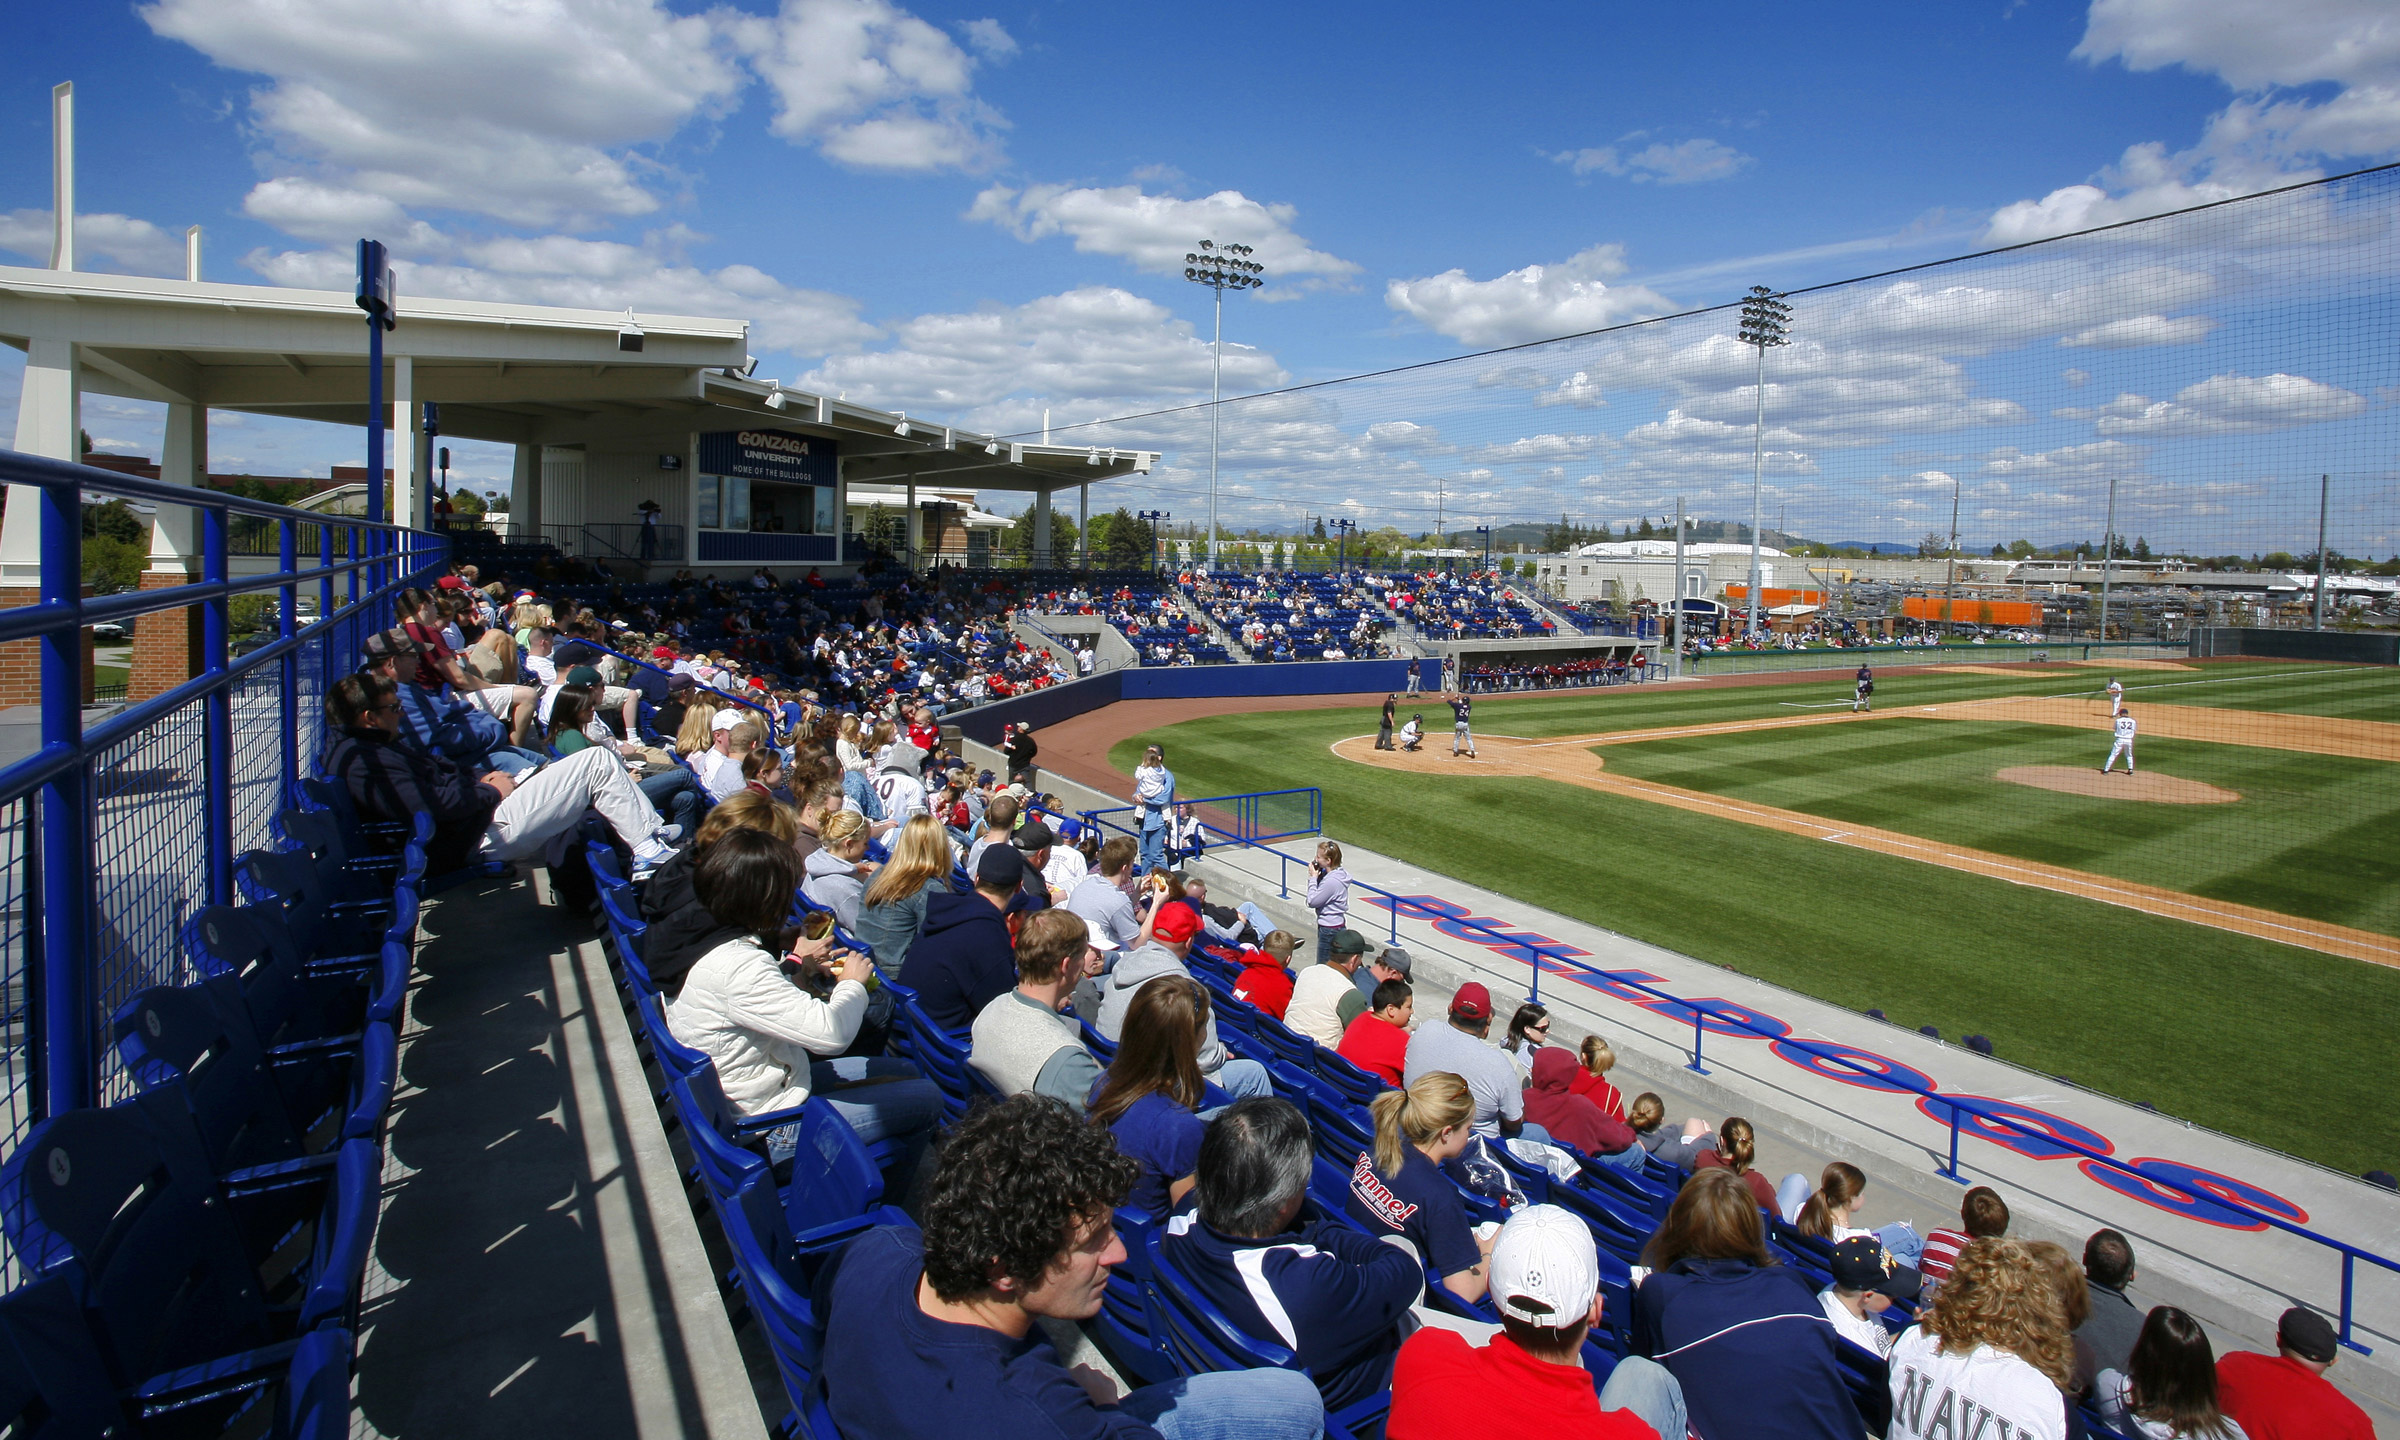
(1764, 318)
(1220, 268)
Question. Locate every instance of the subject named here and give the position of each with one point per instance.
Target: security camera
(629, 335)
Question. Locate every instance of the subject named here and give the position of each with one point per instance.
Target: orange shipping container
(1770, 597)
(1973, 612)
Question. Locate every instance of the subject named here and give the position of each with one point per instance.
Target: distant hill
(1876, 547)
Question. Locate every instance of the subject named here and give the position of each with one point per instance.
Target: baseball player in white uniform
(2116, 696)
(2124, 746)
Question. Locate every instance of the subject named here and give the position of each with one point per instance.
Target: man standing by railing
(1154, 795)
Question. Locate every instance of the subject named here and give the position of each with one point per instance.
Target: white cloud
(874, 87)
(1155, 232)
(2274, 132)
(988, 39)
(2139, 330)
(527, 112)
(1090, 344)
(600, 275)
(2075, 377)
(1534, 303)
(2100, 458)
(1684, 163)
(2348, 41)
(102, 241)
(2224, 405)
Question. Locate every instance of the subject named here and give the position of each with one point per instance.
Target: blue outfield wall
(1044, 708)
(1307, 677)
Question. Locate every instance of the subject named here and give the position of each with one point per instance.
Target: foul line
(2351, 670)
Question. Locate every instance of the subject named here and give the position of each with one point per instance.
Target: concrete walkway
(2235, 1280)
(537, 1269)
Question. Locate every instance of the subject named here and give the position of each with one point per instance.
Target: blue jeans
(1232, 1405)
(1906, 1245)
(1154, 848)
(1325, 934)
(1632, 1159)
(1243, 1079)
(1650, 1391)
(855, 786)
(510, 760)
(902, 1109)
(678, 798)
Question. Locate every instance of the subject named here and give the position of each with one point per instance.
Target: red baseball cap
(1472, 1002)
(450, 582)
(662, 652)
(1176, 924)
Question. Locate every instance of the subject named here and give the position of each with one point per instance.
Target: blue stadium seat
(53, 1382)
(187, 1279)
(1201, 1339)
(251, 1111)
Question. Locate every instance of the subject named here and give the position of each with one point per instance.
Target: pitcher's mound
(2141, 785)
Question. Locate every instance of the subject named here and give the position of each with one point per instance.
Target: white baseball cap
(1545, 1268)
(726, 720)
(1100, 940)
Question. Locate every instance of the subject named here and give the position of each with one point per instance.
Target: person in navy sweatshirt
(1331, 1294)
(930, 1334)
(1746, 1337)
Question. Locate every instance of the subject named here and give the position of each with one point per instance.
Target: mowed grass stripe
(2314, 835)
(1641, 707)
(2369, 692)
(2272, 1043)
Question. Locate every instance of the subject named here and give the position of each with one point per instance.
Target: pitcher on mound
(2124, 746)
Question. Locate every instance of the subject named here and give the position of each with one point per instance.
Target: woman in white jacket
(773, 1042)
(845, 747)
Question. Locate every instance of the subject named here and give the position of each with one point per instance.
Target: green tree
(2141, 548)
(116, 545)
(1933, 546)
(1122, 542)
(1063, 534)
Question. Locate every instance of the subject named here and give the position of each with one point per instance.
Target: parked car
(111, 631)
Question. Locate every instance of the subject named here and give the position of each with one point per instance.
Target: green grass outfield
(2312, 835)
(2284, 1046)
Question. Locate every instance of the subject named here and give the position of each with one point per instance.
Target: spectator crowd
(1406, 1212)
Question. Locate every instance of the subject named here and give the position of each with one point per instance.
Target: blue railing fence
(771, 714)
(1555, 957)
(114, 833)
(1298, 811)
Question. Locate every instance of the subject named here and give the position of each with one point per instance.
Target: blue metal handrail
(1246, 811)
(1702, 1014)
(61, 905)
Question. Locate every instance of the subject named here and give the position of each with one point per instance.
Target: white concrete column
(1083, 526)
(49, 424)
(183, 460)
(525, 494)
(1041, 527)
(403, 443)
(691, 499)
(913, 524)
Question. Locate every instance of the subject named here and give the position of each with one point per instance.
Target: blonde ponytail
(1417, 1116)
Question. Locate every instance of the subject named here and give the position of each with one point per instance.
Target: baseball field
(2218, 935)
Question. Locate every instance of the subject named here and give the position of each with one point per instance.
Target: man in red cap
(1490, 1074)
(1167, 936)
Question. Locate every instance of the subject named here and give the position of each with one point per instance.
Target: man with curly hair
(1991, 1352)
(930, 1335)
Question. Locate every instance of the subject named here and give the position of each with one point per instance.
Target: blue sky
(979, 212)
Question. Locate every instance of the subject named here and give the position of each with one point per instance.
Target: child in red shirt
(1377, 1041)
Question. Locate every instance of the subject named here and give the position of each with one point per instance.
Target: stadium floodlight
(1342, 527)
(1764, 321)
(1152, 518)
(1220, 268)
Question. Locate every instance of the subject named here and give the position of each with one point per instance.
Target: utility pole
(2324, 495)
(1675, 669)
(2108, 555)
(1950, 587)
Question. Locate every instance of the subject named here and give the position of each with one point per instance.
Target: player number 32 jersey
(2125, 727)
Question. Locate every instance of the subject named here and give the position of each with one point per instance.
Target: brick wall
(21, 661)
(166, 644)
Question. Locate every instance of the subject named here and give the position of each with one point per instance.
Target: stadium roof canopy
(521, 374)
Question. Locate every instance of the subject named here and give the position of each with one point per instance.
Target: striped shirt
(1941, 1252)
